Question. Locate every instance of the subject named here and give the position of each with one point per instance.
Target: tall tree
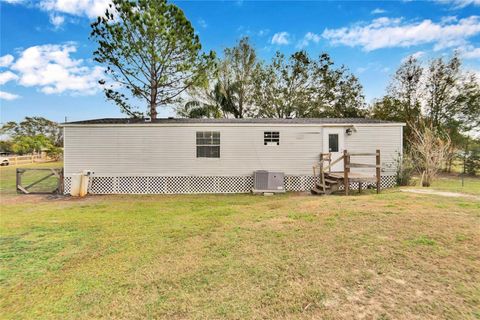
(302, 87)
(338, 93)
(235, 78)
(469, 103)
(403, 101)
(442, 86)
(282, 88)
(229, 89)
(34, 126)
(150, 50)
(406, 87)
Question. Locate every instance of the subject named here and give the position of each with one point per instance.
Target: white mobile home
(217, 155)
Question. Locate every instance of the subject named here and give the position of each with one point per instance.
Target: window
(271, 138)
(333, 142)
(208, 144)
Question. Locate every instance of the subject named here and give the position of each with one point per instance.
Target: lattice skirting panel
(195, 184)
(385, 182)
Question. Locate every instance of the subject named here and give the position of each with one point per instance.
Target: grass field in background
(390, 256)
(8, 177)
(471, 185)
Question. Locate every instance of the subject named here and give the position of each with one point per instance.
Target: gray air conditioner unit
(265, 181)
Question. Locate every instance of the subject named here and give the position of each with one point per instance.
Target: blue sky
(46, 65)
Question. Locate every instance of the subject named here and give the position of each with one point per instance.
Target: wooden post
(346, 169)
(60, 185)
(329, 162)
(18, 180)
(378, 163)
(322, 177)
(359, 187)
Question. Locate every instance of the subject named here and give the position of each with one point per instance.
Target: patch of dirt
(40, 198)
(440, 193)
(25, 198)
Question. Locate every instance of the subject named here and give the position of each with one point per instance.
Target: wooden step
(331, 181)
(332, 176)
(315, 190)
(321, 186)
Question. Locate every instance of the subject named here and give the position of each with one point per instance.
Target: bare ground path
(441, 193)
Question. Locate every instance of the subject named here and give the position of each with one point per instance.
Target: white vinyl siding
(369, 138)
(171, 150)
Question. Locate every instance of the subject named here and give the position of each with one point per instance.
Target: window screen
(208, 144)
(333, 142)
(271, 138)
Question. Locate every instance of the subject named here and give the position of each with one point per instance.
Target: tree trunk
(153, 92)
(153, 111)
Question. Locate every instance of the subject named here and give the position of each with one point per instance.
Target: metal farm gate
(40, 180)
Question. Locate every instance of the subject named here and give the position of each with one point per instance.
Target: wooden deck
(353, 176)
(327, 182)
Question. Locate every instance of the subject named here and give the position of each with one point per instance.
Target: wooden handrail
(346, 170)
(347, 165)
(334, 162)
(377, 170)
(362, 154)
(361, 165)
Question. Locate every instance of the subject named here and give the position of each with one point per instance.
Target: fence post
(18, 180)
(346, 169)
(377, 157)
(60, 186)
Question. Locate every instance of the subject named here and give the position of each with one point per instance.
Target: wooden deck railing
(347, 165)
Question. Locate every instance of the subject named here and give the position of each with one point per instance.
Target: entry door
(333, 142)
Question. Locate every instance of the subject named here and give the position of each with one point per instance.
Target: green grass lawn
(390, 256)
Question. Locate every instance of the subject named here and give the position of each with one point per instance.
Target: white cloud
(6, 60)
(378, 11)
(309, 37)
(51, 69)
(13, 1)
(449, 19)
(281, 38)
(57, 20)
(361, 70)
(8, 96)
(469, 52)
(416, 55)
(7, 76)
(89, 8)
(263, 32)
(458, 4)
(388, 33)
(202, 23)
(372, 67)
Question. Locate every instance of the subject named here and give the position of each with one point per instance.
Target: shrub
(404, 170)
(55, 153)
(429, 151)
(472, 162)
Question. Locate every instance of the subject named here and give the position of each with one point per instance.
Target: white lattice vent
(67, 185)
(196, 184)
